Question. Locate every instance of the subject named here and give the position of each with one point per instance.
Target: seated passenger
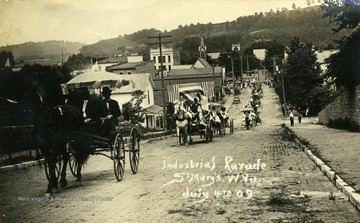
(214, 115)
(224, 115)
(90, 110)
(195, 110)
(110, 112)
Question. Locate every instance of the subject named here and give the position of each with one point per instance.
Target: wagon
(220, 128)
(203, 128)
(125, 138)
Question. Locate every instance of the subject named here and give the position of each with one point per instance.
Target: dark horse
(53, 129)
(57, 125)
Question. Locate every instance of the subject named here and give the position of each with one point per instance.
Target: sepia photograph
(238, 111)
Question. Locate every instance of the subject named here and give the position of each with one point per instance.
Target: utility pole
(247, 63)
(241, 68)
(213, 73)
(282, 79)
(159, 37)
(232, 71)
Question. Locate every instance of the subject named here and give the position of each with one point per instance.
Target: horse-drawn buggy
(63, 135)
(192, 116)
(77, 137)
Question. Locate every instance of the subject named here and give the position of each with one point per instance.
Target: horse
(182, 124)
(53, 127)
(60, 130)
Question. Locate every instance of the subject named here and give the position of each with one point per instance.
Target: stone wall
(344, 109)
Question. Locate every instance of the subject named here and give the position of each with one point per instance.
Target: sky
(89, 21)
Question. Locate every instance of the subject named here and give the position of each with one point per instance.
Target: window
(159, 59)
(99, 68)
(169, 59)
(169, 67)
(154, 58)
(129, 72)
(163, 59)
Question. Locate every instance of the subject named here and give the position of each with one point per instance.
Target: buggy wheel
(231, 127)
(73, 165)
(134, 151)
(57, 168)
(118, 156)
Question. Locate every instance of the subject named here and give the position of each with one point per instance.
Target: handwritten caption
(230, 179)
(58, 198)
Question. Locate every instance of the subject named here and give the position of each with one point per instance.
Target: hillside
(43, 50)
(249, 31)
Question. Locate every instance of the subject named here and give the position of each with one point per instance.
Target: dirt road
(250, 176)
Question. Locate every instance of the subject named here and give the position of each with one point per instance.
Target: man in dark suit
(110, 111)
(90, 110)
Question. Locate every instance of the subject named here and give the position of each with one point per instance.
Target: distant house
(170, 57)
(111, 61)
(133, 67)
(259, 53)
(201, 63)
(154, 114)
(138, 82)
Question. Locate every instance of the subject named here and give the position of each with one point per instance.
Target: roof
(194, 71)
(137, 82)
(203, 62)
(94, 76)
(121, 59)
(131, 65)
(176, 72)
(154, 109)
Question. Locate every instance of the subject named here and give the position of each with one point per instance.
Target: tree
(77, 62)
(344, 65)
(344, 13)
(302, 81)
(274, 49)
(132, 111)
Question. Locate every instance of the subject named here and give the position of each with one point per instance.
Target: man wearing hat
(110, 111)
